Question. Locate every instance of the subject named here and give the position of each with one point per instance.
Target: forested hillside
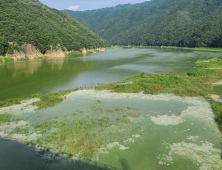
(31, 22)
(190, 23)
(93, 18)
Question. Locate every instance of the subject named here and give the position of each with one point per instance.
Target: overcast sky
(82, 5)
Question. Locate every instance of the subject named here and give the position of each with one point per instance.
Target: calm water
(25, 78)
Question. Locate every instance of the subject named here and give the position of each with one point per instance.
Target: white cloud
(74, 8)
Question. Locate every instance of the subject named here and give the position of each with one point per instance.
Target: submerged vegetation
(154, 84)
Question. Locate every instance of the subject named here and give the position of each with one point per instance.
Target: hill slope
(31, 22)
(93, 18)
(189, 23)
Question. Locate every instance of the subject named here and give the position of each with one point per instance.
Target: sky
(83, 5)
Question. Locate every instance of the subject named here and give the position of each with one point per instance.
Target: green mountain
(31, 22)
(191, 23)
(93, 18)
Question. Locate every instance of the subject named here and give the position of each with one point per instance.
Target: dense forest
(31, 22)
(92, 18)
(191, 23)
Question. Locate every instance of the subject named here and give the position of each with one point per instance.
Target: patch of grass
(50, 100)
(38, 58)
(74, 53)
(8, 59)
(1, 59)
(155, 84)
(96, 51)
(217, 109)
(5, 118)
(205, 76)
(211, 63)
(89, 52)
(22, 59)
(196, 48)
(10, 102)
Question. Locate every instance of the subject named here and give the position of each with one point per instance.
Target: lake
(163, 132)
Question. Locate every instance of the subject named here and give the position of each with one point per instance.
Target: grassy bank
(46, 100)
(52, 99)
(207, 72)
(217, 109)
(22, 59)
(74, 53)
(196, 48)
(154, 84)
(8, 59)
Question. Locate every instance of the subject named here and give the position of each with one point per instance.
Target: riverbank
(195, 48)
(31, 53)
(135, 118)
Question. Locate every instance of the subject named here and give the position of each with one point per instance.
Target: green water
(28, 77)
(25, 78)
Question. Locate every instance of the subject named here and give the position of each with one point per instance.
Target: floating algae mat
(120, 131)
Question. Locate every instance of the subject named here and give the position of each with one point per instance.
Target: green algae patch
(154, 84)
(204, 155)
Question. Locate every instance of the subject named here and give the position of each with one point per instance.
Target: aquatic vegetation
(82, 137)
(154, 84)
(5, 118)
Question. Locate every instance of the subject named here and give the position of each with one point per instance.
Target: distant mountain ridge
(25, 22)
(190, 23)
